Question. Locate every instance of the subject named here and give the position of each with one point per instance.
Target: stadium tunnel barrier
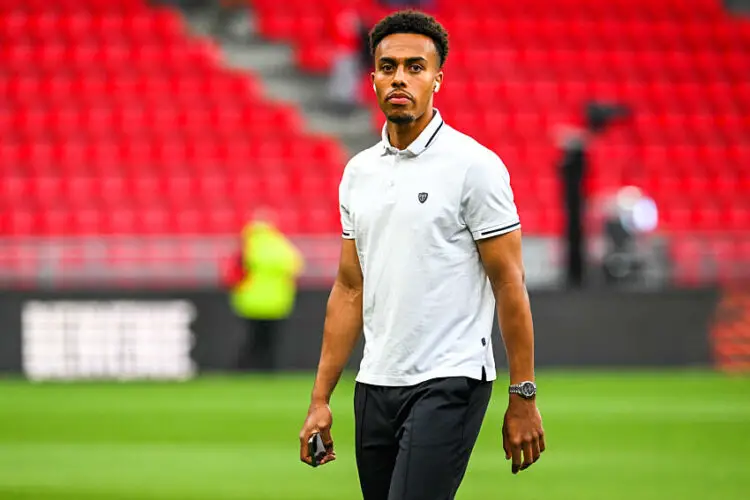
(176, 335)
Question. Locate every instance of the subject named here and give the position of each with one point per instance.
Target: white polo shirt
(428, 306)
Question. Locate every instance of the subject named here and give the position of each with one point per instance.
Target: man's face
(407, 67)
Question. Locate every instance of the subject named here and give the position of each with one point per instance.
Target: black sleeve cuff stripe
(346, 234)
(500, 229)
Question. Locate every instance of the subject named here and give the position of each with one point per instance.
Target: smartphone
(316, 449)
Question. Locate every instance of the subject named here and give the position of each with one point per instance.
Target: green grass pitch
(613, 436)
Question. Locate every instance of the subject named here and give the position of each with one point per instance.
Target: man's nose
(399, 76)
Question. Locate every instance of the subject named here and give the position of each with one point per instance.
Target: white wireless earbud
(374, 87)
(437, 86)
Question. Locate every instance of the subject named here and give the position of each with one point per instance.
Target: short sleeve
(488, 205)
(347, 227)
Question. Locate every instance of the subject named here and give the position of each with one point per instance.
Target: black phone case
(316, 449)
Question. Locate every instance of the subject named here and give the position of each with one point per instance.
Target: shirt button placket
(391, 189)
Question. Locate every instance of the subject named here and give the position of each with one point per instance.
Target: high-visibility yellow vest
(272, 264)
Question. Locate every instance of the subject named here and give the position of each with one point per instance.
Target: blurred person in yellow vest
(263, 288)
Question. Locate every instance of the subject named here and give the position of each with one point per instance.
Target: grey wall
(601, 328)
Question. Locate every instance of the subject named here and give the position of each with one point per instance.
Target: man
(431, 242)
(262, 293)
(573, 168)
(346, 72)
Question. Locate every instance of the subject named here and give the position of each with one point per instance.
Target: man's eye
(386, 67)
(416, 68)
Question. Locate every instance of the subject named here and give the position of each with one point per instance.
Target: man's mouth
(399, 98)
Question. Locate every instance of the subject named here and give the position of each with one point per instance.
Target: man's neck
(402, 135)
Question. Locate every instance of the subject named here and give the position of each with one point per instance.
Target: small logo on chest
(422, 197)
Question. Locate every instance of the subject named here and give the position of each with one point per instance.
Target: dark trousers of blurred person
(573, 166)
(259, 349)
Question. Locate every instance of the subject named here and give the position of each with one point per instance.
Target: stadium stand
(518, 69)
(116, 121)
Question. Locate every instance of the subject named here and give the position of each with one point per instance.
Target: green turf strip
(618, 436)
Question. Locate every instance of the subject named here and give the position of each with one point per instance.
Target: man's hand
(341, 330)
(522, 433)
(319, 419)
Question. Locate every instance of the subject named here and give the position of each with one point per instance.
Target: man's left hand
(522, 433)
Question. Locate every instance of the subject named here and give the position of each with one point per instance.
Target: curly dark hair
(411, 21)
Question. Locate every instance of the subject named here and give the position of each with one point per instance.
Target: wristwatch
(526, 390)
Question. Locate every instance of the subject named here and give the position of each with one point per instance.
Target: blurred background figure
(347, 70)
(574, 144)
(227, 15)
(225, 20)
(262, 281)
(629, 214)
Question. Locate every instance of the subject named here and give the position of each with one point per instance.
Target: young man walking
(431, 249)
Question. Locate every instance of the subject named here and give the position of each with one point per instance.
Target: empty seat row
(82, 155)
(122, 221)
(126, 58)
(39, 7)
(96, 94)
(592, 34)
(159, 122)
(49, 25)
(618, 9)
(700, 66)
(148, 189)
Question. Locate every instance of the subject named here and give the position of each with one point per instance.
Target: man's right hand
(319, 419)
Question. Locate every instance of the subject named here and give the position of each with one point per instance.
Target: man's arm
(341, 330)
(343, 323)
(503, 262)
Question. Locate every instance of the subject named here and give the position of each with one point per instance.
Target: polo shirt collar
(422, 142)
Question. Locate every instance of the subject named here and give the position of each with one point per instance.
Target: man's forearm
(516, 325)
(342, 327)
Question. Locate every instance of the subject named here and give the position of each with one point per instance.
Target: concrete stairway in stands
(274, 63)
(740, 7)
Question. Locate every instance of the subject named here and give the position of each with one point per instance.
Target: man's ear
(438, 81)
(372, 77)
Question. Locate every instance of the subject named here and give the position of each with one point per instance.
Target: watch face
(528, 389)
